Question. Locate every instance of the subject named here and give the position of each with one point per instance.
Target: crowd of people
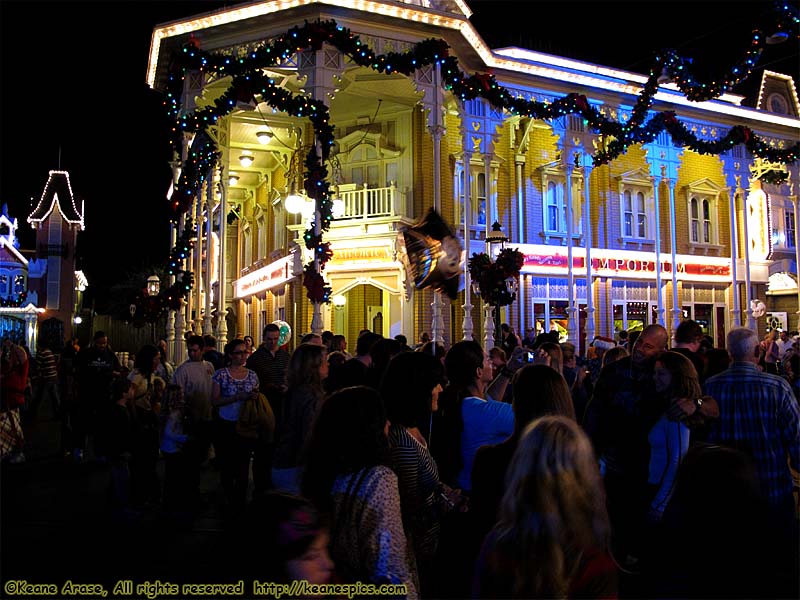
(650, 468)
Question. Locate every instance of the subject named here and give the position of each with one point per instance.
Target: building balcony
(365, 203)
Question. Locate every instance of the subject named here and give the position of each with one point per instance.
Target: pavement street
(55, 525)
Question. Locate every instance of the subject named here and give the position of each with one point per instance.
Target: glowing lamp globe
(294, 203)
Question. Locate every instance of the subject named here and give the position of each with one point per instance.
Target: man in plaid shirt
(759, 416)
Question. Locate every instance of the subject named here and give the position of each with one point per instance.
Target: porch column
(657, 208)
(677, 311)
(572, 328)
(751, 320)
(793, 199)
(170, 332)
(491, 216)
(467, 326)
(736, 311)
(437, 130)
(199, 280)
(222, 322)
(518, 163)
(317, 325)
(587, 236)
(207, 326)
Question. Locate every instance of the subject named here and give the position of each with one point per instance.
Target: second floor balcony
(366, 203)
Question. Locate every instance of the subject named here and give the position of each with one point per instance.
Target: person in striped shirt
(47, 387)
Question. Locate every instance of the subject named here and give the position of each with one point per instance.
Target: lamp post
(495, 242)
(153, 287)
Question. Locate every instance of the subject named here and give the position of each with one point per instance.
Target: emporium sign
(264, 278)
(541, 259)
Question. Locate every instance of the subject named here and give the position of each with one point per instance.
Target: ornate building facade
(660, 233)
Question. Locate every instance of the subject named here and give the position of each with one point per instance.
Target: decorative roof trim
(515, 60)
(786, 79)
(16, 253)
(30, 309)
(44, 213)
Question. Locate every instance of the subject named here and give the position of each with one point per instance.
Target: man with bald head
(619, 416)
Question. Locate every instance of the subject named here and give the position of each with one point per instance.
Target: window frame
(555, 174)
(480, 196)
(640, 188)
(703, 193)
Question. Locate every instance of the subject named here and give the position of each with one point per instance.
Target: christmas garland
(11, 302)
(491, 277)
(248, 82)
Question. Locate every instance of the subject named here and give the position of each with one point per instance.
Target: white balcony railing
(368, 203)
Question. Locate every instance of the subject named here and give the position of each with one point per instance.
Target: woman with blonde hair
(553, 532)
(308, 368)
(771, 352)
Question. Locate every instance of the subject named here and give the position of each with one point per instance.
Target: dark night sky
(73, 81)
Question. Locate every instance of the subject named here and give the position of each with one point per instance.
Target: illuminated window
(637, 207)
(19, 284)
(555, 217)
(703, 210)
(788, 221)
(478, 194)
(701, 230)
(554, 202)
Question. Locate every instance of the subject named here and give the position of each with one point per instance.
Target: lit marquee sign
(265, 278)
(547, 260)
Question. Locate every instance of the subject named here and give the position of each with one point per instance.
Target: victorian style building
(40, 289)
(658, 234)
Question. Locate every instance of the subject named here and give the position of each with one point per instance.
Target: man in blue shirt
(759, 415)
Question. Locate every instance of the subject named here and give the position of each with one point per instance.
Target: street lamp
(153, 285)
(495, 242)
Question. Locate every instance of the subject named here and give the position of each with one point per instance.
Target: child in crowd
(176, 468)
(297, 538)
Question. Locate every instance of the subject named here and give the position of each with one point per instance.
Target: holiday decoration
(285, 331)
(432, 254)
(758, 308)
(250, 83)
(497, 281)
(10, 302)
(316, 288)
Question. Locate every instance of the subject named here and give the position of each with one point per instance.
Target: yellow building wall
(694, 167)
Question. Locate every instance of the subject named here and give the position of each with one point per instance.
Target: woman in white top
(232, 386)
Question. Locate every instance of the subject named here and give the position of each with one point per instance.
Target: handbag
(11, 436)
(256, 419)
